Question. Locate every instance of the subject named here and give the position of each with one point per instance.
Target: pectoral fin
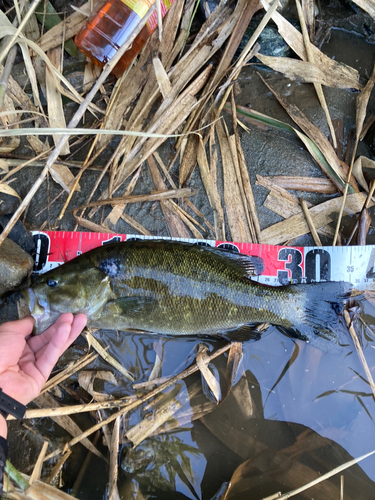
(132, 307)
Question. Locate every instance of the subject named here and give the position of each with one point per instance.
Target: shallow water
(293, 414)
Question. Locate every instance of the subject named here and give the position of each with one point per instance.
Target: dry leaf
(308, 184)
(360, 163)
(367, 5)
(294, 39)
(37, 145)
(32, 28)
(244, 179)
(202, 361)
(235, 210)
(56, 116)
(5, 188)
(188, 159)
(162, 77)
(363, 227)
(308, 7)
(314, 133)
(10, 144)
(210, 184)
(294, 69)
(4, 167)
(310, 58)
(43, 491)
(281, 206)
(321, 215)
(105, 355)
(63, 176)
(90, 75)
(87, 378)
(67, 29)
(176, 226)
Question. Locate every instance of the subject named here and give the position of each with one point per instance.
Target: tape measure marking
(282, 265)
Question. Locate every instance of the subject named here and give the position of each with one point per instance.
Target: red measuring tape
(282, 265)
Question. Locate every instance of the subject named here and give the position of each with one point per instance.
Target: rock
(18, 234)
(9, 307)
(369, 139)
(15, 265)
(8, 204)
(270, 40)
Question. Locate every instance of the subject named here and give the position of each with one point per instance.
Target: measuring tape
(282, 265)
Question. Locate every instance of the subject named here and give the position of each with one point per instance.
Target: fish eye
(51, 282)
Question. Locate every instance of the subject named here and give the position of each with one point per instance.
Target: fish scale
(196, 292)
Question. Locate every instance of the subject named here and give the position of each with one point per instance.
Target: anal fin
(242, 333)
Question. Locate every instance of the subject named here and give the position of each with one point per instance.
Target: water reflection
(165, 463)
(293, 414)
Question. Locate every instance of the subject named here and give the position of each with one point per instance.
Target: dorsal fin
(250, 265)
(247, 265)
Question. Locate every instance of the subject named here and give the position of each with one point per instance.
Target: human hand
(26, 362)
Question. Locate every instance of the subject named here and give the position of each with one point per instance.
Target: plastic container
(109, 27)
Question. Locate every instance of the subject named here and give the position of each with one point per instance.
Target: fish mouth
(39, 310)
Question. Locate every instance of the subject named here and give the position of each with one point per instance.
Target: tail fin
(320, 319)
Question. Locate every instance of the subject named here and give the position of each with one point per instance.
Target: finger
(67, 329)
(48, 355)
(78, 325)
(39, 341)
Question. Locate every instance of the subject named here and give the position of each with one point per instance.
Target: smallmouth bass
(174, 288)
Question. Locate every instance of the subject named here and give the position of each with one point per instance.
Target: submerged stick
(60, 377)
(37, 471)
(107, 357)
(359, 350)
(71, 410)
(325, 476)
(56, 469)
(113, 461)
(185, 373)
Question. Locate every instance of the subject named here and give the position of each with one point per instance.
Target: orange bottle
(110, 26)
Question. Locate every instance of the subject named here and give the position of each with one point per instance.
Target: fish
(182, 289)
